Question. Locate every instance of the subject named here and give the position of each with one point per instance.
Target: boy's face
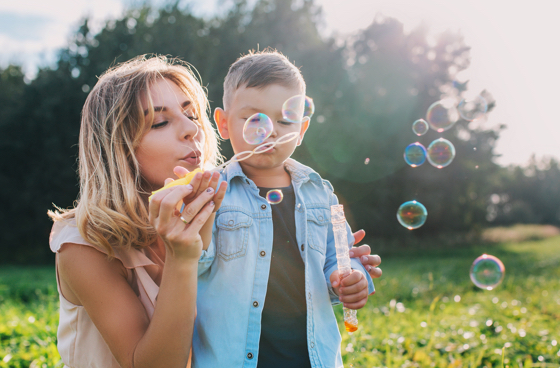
(269, 100)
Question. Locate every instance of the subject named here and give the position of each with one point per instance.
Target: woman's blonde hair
(110, 210)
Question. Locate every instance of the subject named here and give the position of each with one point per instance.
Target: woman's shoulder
(66, 231)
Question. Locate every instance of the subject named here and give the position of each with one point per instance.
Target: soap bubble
(274, 196)
(415, 154)
(487, 272)
(412, 214)
(441, 153)
(298, 107)
(420, 127)
(257, 128)
(473, 109)
(366, 161)
(442, 115)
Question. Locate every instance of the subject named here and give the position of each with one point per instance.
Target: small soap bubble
(415, 154)
(274, 196)
(298, 107)
(473, 109)
(441, 153)
(366, 161)
(412, 214)
(487, 272)
(442, 115)
(420, 127)
(257, 128)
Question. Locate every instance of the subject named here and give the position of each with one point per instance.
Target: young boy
(264, 290)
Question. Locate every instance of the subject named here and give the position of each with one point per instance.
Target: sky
(514, 51)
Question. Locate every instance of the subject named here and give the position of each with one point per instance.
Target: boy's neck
(275, 177)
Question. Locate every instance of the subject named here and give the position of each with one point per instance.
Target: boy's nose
(274, 133)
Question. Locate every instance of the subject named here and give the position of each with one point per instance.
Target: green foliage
(529, 194)
(368, 89)
(425, 312)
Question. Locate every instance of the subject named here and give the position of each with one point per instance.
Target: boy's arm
(209, 246)
(330, 261)
(208, 231)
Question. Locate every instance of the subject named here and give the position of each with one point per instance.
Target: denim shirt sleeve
(331, 264)
(208, 255)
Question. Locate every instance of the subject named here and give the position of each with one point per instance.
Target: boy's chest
(245, 224)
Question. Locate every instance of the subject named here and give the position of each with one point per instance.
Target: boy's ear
(303, 129)
(220, 117)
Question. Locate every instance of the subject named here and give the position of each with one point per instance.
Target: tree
(367, 89)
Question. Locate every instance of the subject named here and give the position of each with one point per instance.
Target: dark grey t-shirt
(283, 340)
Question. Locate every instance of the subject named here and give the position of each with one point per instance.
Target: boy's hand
(352, 290)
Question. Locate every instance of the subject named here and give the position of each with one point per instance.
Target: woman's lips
(195, 161)
(192, 158)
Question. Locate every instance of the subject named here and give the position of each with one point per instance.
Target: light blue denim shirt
(234, 270)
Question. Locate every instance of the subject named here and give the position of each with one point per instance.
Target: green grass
(425, 313)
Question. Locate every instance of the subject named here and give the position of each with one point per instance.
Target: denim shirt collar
(299, 172)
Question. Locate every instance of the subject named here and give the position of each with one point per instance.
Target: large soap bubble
(473, 109)
(487, 272)
(420, 127)
(442, 115)
(412, 214)
(257, 128)
(415, 154)
(296, 108)
(441, 153)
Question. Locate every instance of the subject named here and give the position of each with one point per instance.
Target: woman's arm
(89, 279)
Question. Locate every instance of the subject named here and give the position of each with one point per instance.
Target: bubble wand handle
(343, 258)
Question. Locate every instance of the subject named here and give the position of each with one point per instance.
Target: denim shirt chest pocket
(233, 234)
(318, 220)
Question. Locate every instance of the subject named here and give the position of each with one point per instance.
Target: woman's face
(175, 137)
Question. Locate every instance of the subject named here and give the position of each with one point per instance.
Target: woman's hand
(363, 253)
(200, 183)
(180, 231)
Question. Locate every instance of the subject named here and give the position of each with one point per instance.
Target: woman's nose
(189, 128)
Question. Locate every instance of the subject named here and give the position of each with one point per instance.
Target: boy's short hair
(259, 70)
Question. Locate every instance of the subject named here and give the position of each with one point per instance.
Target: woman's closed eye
(159, 125)
(287, 123)
(190, 115)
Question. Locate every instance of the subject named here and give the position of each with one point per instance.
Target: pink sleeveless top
(79, 342)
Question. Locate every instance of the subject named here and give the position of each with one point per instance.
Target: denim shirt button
(312, 344)
(263, 206)
(255, 304)
(230, 222)
(309, 295)
(302, 247)
(250, 355)
(263, 253)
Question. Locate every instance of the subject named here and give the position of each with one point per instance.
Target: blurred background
(372, 68)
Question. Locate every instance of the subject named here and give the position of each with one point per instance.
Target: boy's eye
(285, 122)
(159, 125)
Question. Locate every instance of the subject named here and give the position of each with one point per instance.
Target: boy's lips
(265, 147)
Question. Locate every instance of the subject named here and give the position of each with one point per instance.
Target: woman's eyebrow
(163, 108)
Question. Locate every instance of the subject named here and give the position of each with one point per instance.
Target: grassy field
(425, 313)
